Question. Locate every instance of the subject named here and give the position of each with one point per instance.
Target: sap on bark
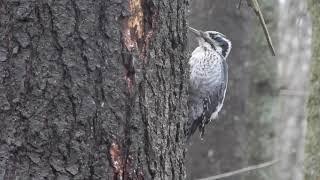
(122, 164)
(137, 32)
(139, 28)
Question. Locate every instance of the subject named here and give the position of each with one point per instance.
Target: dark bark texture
(92, 89)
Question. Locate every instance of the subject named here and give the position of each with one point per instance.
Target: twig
(239, 171)
(289, 92)
(239, 5)
(256, 8)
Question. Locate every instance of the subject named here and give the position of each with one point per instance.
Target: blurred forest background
(264, 114)
(97, 90)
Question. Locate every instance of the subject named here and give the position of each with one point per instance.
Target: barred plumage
(208, 79)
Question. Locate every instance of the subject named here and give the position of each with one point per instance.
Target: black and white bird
(208, 79)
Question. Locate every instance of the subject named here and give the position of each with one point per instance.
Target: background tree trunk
(294, 56)
(92, 89)
(312, 156)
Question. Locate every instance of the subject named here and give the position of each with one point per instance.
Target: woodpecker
(208, 79)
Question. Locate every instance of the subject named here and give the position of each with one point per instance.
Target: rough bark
(312, 156)
(92, 89)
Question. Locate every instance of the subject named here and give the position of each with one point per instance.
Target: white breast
(205, 67)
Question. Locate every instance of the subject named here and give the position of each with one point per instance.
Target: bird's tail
(191, 128)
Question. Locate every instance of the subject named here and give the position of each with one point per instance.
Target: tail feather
(194, 126)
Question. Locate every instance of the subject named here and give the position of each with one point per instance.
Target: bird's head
(215, 40)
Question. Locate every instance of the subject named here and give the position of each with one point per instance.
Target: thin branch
(256, 8)
(239, 171)
(239, 5)
(289, 92)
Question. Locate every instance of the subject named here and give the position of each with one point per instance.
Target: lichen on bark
(312, 148)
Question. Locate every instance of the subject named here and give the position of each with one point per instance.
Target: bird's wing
(205, 100)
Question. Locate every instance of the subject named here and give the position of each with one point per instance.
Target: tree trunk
(312, 156)
(294, 56)
(92, 89)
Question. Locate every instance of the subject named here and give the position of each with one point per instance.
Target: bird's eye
(218, 39)
(212, 36)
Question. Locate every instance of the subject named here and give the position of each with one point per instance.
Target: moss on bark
(312, 150)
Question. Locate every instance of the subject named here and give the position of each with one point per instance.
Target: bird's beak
(196, 32)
